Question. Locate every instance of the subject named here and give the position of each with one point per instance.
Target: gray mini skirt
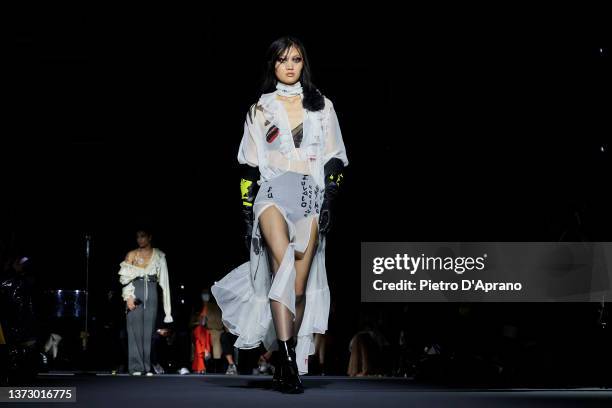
(298, 198)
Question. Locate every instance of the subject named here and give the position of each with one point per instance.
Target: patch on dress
(272, 134)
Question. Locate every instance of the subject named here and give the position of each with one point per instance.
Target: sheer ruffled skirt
(244, 294)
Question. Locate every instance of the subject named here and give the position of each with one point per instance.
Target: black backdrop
(460, 124)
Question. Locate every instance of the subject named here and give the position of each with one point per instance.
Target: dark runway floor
(217, 391)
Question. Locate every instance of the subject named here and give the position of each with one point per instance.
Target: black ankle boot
(289, 381)
(276, 378)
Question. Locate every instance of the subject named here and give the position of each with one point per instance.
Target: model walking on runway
(292, 155)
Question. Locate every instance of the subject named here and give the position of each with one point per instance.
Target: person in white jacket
(141, 271)
(292, 155)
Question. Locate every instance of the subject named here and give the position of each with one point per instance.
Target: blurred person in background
(143, 269)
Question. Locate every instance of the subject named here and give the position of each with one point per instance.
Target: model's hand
(325, 218)
(130, 303)
(333, 179)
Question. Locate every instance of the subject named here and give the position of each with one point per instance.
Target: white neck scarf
(289, 90)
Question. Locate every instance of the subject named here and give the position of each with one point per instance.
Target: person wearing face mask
(202, 339)
(292, 157)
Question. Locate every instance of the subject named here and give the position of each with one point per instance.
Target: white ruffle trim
(244, 314)
(248, 316)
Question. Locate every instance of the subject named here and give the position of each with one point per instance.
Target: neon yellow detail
(247, 204)
(339, 179)
(244, 188)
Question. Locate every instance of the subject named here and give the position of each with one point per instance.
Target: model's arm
(334, 143)
(248, 192)
(164, 282)
(335, 160)
(127, 292)
(249, 172)
(247, 152)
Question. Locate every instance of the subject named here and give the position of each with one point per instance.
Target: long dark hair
(313, 98)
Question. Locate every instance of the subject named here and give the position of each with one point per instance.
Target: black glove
(333, 178)
(248, 192)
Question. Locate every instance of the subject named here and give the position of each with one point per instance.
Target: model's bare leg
(303, 261)
(276, 234)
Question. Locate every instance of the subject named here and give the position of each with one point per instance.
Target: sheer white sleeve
(128, 291)
(247, 152)
(164, 282)
(334, 145)
(127, 273)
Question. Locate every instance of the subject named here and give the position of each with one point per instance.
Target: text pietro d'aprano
(459, 265)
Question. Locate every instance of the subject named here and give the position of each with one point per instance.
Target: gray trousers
(140, 326)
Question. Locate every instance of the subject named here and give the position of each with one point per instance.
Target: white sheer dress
(292, 180)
